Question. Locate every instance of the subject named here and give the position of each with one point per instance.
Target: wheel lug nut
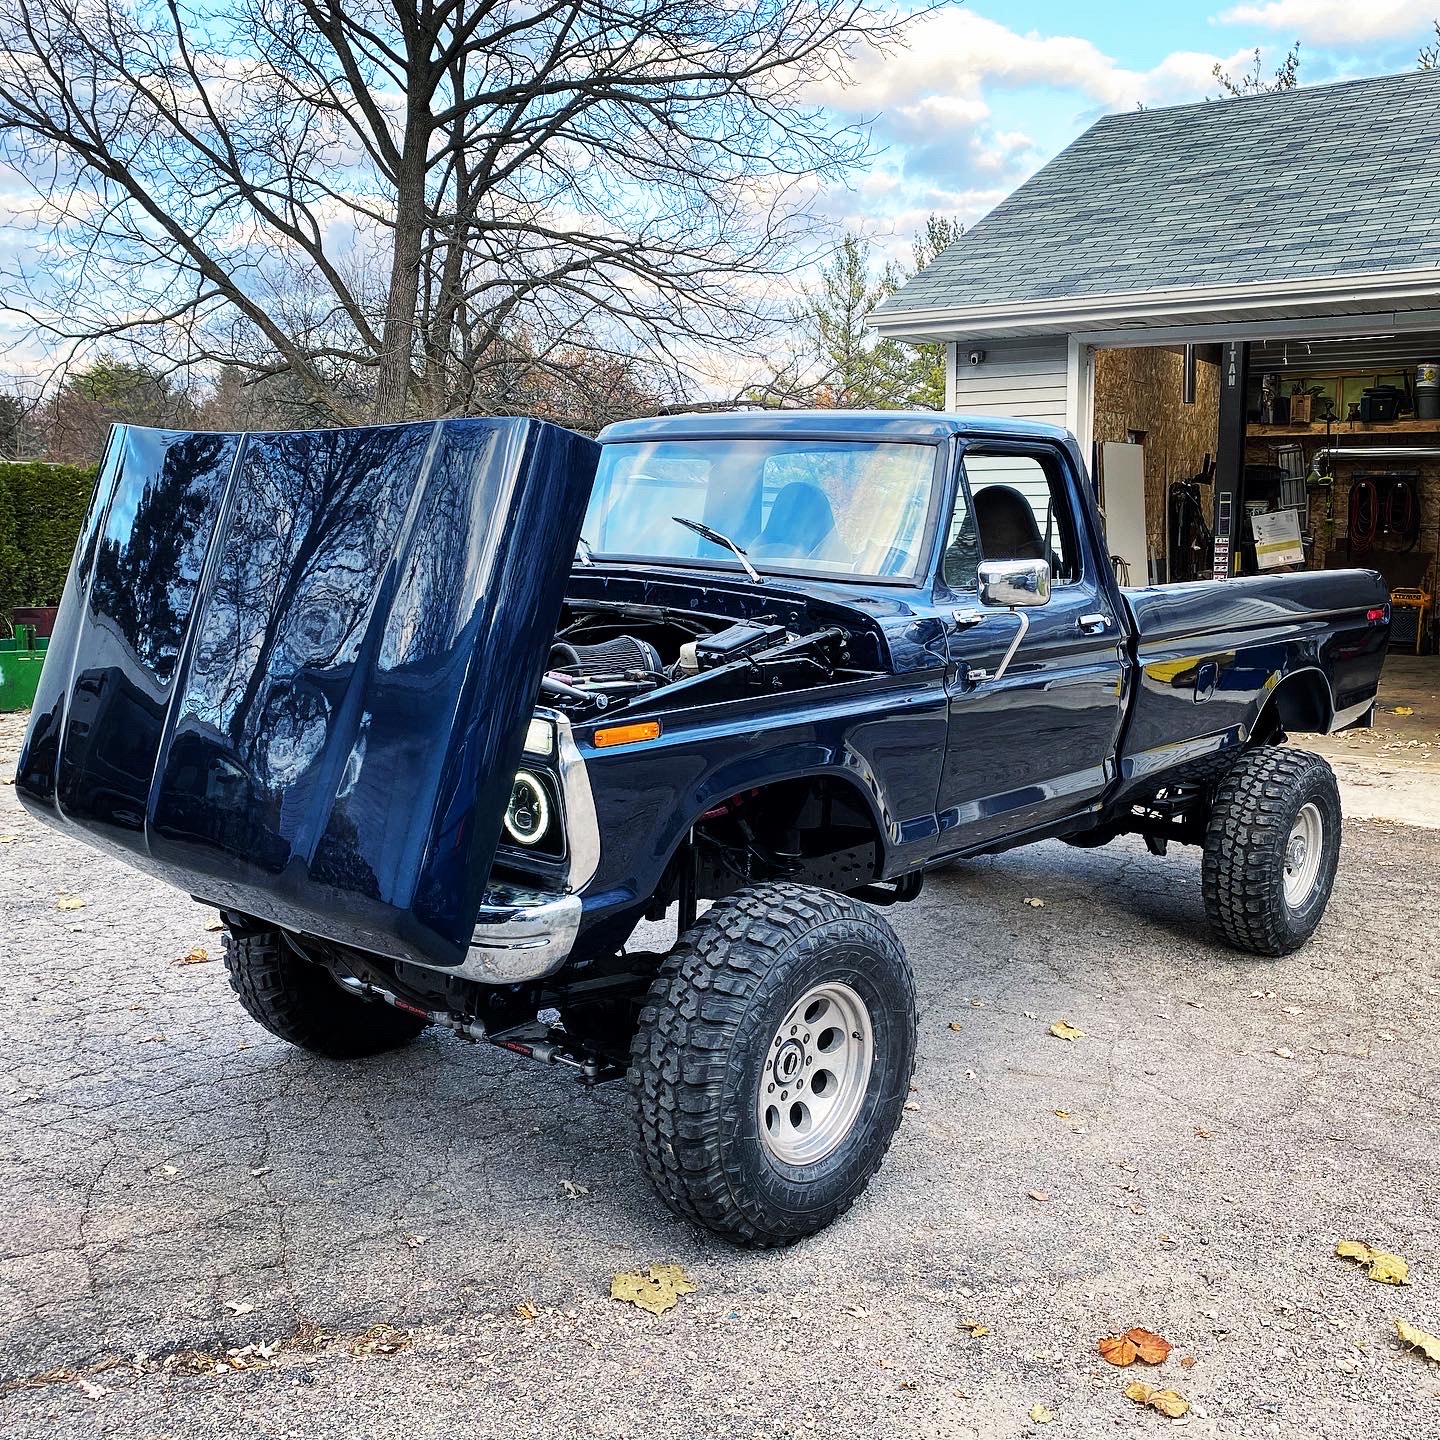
(770, 1089)
(809, 1059)
(784, 1094)
(794, 1029)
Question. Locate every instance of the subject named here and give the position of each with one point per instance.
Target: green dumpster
(21, 661)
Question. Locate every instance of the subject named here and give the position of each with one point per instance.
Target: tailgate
(291, 673)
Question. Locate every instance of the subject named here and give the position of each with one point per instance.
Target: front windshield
(834, 507)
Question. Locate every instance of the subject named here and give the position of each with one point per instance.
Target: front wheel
(1271, 850)
(297, 1001)
(772, 1062)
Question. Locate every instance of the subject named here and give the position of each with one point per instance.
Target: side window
(1022, 511)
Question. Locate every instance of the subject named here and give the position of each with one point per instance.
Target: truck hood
(292, 673)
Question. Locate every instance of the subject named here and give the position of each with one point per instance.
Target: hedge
(41, 509)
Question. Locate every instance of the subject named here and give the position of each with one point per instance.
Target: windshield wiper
(716, 538)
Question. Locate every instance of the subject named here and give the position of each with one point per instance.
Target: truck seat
(801, 525)
(1007, 525)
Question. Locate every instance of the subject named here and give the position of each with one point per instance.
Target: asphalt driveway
(203, 1232)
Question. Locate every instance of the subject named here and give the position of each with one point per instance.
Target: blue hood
(292, 673)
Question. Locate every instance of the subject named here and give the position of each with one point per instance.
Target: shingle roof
(1322, 181)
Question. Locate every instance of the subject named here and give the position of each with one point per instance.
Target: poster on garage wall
(1277, 539)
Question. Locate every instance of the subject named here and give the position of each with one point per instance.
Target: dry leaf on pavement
(381, 1340)
(956, 1025)
(1385, 1268)
(1167, 1402)
(656, 1289)
(1064, 1030)
(527, 1310)
(1041, 1195)
(8, 839)
(70, 902)
(195, 955)
(1416, 1339)
(1034, 903)
(1135, 1344)
(974, 1329)
(1403, 710)
(1041, 1415)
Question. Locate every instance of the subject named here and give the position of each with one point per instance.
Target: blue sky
(988, 91)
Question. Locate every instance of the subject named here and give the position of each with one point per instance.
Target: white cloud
(970, 108)
(1326, 21)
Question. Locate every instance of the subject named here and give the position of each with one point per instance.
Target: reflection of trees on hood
(145, 578)
(313, 519)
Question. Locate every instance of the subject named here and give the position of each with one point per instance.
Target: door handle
(1093, 624)
(967, 619)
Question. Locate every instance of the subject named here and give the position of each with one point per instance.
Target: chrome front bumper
(520, 935)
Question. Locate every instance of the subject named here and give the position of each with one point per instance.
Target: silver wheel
(815, 1075)
(1304, 851)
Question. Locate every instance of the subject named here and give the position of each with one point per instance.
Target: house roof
(1271, 191)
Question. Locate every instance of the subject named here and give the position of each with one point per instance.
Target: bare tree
(406, 207)
(1429, 56)
(1254, 82)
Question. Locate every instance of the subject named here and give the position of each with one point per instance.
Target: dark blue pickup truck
(436, 714)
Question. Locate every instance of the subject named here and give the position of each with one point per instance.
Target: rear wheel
(299, 1002)
(1271, 850)
(772, 1062)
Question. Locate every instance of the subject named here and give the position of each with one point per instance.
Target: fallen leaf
(1135, 1344)
(1284, 1052)
(1064, 1030)
(1063, 1114)
(1416, 1339)
(91, 1389)
(195, 955)
(381, 1340)
(1385, 1268)
(1041, 1195)
(1403, 710)
(974, 1329)
(656, 1289)
(8, 839)
(260, 1170)
(1187, 1361)
(239, 1307)
(1040, 1415)
(956, 1025)
(1033, 903)
(526, 1310)
(415, 1241)
(574, 1190)
(216, 925)
(1167, 1402)
(70, 902)
(1204, 1134)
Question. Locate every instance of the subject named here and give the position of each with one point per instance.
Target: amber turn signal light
(627, 734)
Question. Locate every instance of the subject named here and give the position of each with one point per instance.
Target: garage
(1235, 306)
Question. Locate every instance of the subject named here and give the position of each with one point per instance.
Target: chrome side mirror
(1012, 584)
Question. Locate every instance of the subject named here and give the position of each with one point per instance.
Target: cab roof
(824, 425)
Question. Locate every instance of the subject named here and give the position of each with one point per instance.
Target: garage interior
(1334, 450)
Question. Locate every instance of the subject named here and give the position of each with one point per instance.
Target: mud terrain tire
(1271, 850)
(299, 1002)
(724, 1021)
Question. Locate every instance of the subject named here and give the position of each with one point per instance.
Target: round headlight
(528, 817)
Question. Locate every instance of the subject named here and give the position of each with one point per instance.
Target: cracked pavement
(173, 1180)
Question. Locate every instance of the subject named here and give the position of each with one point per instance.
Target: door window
(1022, 511)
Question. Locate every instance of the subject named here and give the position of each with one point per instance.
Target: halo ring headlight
(527, 818)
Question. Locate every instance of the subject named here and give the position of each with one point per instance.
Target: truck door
(1037, 742)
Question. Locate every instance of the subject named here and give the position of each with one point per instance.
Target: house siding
(1019, 380)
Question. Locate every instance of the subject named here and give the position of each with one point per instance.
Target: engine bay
(608, 655)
